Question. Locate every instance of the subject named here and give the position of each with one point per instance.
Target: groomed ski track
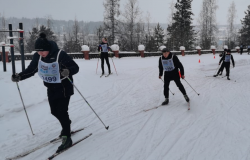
(216, 128)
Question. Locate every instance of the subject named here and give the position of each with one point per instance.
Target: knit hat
(229, 50)
(42, 44)
(164, 50)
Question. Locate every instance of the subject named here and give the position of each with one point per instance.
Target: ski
(152, 108)
(101, 75)
(55, 140)
(56, 154)
(108, 74)
(189, 105)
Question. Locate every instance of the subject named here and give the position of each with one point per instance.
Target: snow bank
(85, 48)
(141, 47)
(114, 47)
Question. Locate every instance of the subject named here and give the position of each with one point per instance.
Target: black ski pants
(59, 108)
(241, 50)
(178, 84)
(104, 55)
(227, 66)
(221, 68)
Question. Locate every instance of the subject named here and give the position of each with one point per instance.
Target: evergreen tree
(49, 33)
(245, 30)
(182, 32)
(31, 40)
(159, 35)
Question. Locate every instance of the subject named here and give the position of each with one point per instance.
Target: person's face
(103, 40)
(166, 54)
(43, 53)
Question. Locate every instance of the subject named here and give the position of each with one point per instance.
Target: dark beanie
(42, 44)
(164, 50)
(229, 50)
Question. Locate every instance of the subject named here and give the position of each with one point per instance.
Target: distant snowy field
(216, 128)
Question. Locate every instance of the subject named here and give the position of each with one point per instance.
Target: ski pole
(114, 65)
(217, 69)
(24, 108)
(97, 65)
(168, 88)
(107, 127)
(191, 87)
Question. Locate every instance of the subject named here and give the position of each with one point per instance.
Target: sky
(92, 10)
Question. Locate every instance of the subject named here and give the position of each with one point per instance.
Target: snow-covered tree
(245, 30)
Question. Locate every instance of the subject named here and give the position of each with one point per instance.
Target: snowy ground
(216, 128)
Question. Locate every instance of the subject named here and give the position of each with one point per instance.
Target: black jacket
(223, 58)
(172, 74)
(55, 90)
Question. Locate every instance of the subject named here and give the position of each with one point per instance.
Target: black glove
(65, 72)
(15, 77)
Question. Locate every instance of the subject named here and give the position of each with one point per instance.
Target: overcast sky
(92, 10)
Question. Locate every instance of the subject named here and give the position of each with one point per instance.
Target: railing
(122, 54)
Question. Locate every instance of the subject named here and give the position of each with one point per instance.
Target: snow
(85, 48)
(162, 47)
(213, 47)
(225, 47)
(114, 47)
(2, 44)
(198, 48)
(216, 128)
(237, 47)
(141, 47)
(182, 48)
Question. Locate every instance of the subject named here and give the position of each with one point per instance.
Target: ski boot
(66, 143)
(216, 75)
(186, 98)
(220, 73)
(165, 102)
(61, 134)
(228, 78)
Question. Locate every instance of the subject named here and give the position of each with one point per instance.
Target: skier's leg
(228, 69)
(107, 62)
(102, 63)
(166, 91)
(59, 108)
(180, 86)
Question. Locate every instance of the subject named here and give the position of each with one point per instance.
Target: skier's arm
(179, 65)
(68, 63)
(160, 67)
(232, 59)
(223, 57)
(31, 69)
(99, 48)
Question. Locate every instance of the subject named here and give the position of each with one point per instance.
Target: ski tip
(107, 128)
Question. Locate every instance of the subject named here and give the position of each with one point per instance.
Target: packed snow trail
(216, 127)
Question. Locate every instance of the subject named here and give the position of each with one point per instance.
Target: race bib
(104, 48)
(168, 65)
(227, 58)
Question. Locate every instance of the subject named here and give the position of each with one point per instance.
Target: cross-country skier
(104, 48)
(226, 58)
(220, 71)
(241, 48)
(170, 64)
(53, 64)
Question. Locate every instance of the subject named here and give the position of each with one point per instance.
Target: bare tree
(231, 25)
(207, 23)
(112, 12)
(131, 18)
(3, 36)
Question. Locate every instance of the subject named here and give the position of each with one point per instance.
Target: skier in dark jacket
(226, 59)
(104, 49)
(53, 64)
(248, 49)
(241, 48)
(170, 64)
(220, 71)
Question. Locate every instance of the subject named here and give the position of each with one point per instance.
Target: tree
(207, 24)
(245, 30)
(110, 17)
(49, 33)
(231, 28)
(131, 19)
(181, 32)
(33, 35)
(159, 35)
(3, 36)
